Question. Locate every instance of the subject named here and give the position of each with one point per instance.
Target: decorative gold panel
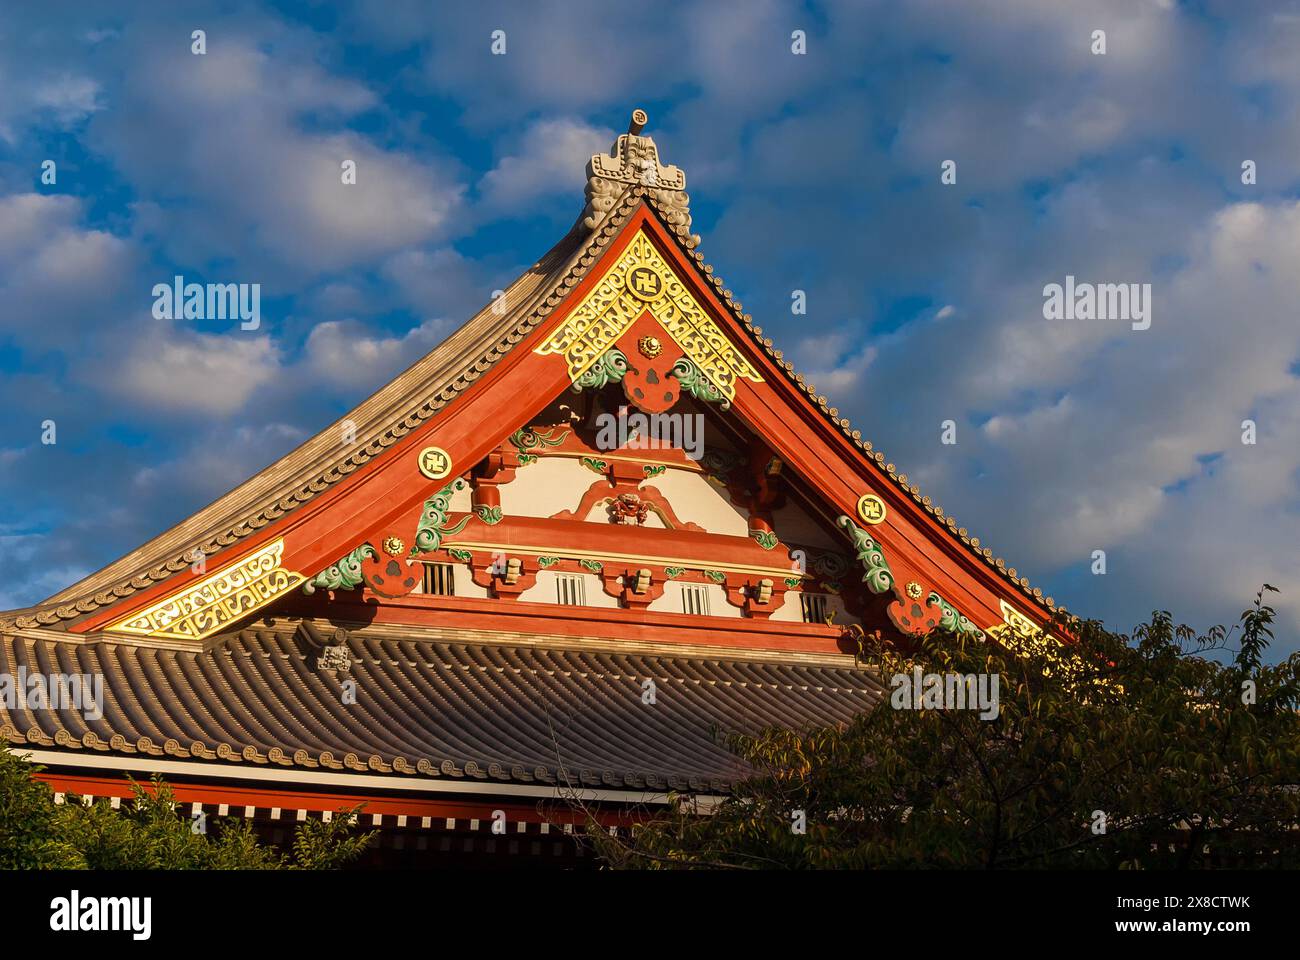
(642, 280)
(203, 608)
(1016, 626)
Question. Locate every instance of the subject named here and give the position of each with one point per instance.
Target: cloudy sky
(817, 172)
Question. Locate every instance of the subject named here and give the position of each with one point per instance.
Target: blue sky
(818, 172)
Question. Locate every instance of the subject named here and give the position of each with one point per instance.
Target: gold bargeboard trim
(213, 603)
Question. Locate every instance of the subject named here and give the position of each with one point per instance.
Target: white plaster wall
(671, 601)
(544, 590)
(463, 581)
(546, 487)
(790, 611)
(697, 501)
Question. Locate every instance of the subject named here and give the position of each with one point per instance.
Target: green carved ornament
(699, 386)
(433, 527)
(878, 577)
(610, 368)
(343, 574)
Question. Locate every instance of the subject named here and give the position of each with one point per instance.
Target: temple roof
(532, 712)
(615, 193)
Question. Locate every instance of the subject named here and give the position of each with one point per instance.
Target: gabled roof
(429, 386)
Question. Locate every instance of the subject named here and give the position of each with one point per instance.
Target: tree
(1108, 752)
(147, 833)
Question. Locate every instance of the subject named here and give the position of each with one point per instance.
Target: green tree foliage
(1111, 752)
(147, 833)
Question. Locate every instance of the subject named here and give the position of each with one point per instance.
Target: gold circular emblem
(871, 508)
(435, 462)
(913, 590)
(393, 546)
(649, 347)
(644, 283)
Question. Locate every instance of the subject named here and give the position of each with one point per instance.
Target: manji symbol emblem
(871, 508)
(435, 462)
(217, 601)
(644, 283)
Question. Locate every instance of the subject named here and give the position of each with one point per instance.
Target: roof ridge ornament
(634, 159)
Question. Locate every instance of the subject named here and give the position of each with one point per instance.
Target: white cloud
(69, 98)
(834, 363)
(214, 462)
(258, 183)
(1117, 460)
(53, 272)
(186, 372)
(345, 355)
(817, 173)
(27, 220)
(439, 282)
(550, 157)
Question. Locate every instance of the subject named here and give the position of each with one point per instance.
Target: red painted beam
(565, 621)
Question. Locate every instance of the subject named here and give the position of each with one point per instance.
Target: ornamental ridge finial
(634, 159)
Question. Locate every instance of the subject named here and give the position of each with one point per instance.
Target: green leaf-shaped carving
(793, 582)
(878, 577)
(695, 383)
(530, 439)
(953, 621)
(462, 555)
(595, 566)
(594, 465)
(544, 562)
(433, 527)
(654, 471)
(717, 576)
(489, 515)
(673, 572)
(765, 538)
(343, 574)
(610, 368)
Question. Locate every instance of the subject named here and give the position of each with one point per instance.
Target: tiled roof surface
(479, 711)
